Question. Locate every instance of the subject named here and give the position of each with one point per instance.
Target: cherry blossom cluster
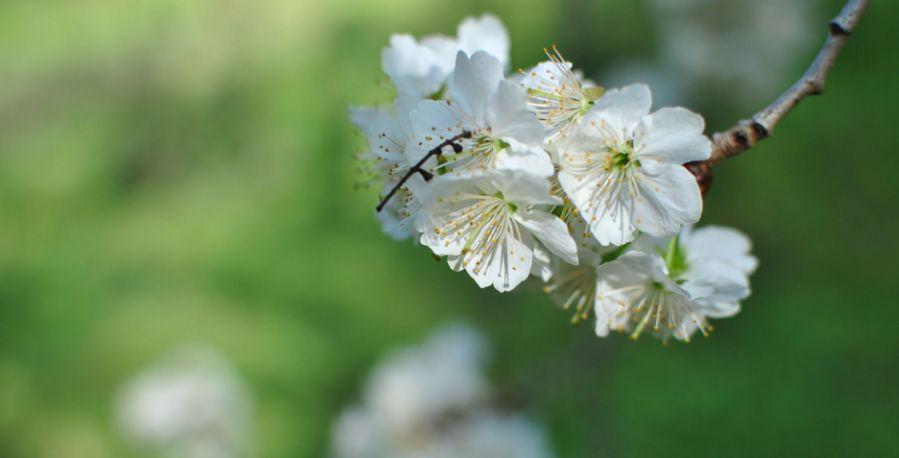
(543, 174)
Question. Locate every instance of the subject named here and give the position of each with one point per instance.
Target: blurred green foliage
(181, 170)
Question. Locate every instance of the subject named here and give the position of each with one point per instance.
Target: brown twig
(746, 133)
(417, 168)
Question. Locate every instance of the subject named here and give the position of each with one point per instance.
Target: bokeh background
(182, 170)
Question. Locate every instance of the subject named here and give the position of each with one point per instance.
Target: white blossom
(719, 244)
(416, 384)
(486, 33)
(490, 226)
(635, 294)
(674, 286)
(486, 434)
(191, 404)
(431, 401)
(712, 263)
(422, 67)
(622, 169)
(559, 96)
(357, 433)
(503, 133)
(544, 174)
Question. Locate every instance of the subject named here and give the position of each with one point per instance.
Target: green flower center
(622, 156)
(510, 205)
(499, 145)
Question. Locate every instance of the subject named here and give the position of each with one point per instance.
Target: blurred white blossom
(744, 49)
(419, 383)
(190, 404)
(431, 401)
(486, 434)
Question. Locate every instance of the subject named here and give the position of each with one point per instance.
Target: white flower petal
(439, 216)
(618, 283)
(589, 250)
(509, 265)
(634, 293)
(556, 96)
(523, 158)
(720, 308)
(387, 140)
(625, 105)
(503, 271)
(444, 50)
(717, 306)
(419, 188)
(607, 214)
(668, 201)
(651, 245)
(474, 79)
(403, 106)
(508, 115)
(470, 220)
(432, 123)
(486, 33)
(722, 243)
(363, 117)
(545, 76)
(413, 68)
(456, 262)
(440, 243)
(672, 135)
(551, 232)
(525, 189)
(394, 220)
(716, 289)
(541, 266)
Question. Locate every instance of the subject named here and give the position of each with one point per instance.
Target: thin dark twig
(747, 132)
(417, 168)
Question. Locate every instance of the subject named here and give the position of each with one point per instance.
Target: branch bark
(417, 168)
(747, 132)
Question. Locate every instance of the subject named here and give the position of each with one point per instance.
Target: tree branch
(417, 168)
(746, 133)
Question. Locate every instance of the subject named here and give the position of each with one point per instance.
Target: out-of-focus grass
(182, 170)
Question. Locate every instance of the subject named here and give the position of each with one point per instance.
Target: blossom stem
(746, 133)
(417, 168)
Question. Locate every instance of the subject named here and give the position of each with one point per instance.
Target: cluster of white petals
(544, 174)
(190, 404)
(431, 401)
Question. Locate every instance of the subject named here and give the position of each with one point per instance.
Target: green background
(179, 170)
